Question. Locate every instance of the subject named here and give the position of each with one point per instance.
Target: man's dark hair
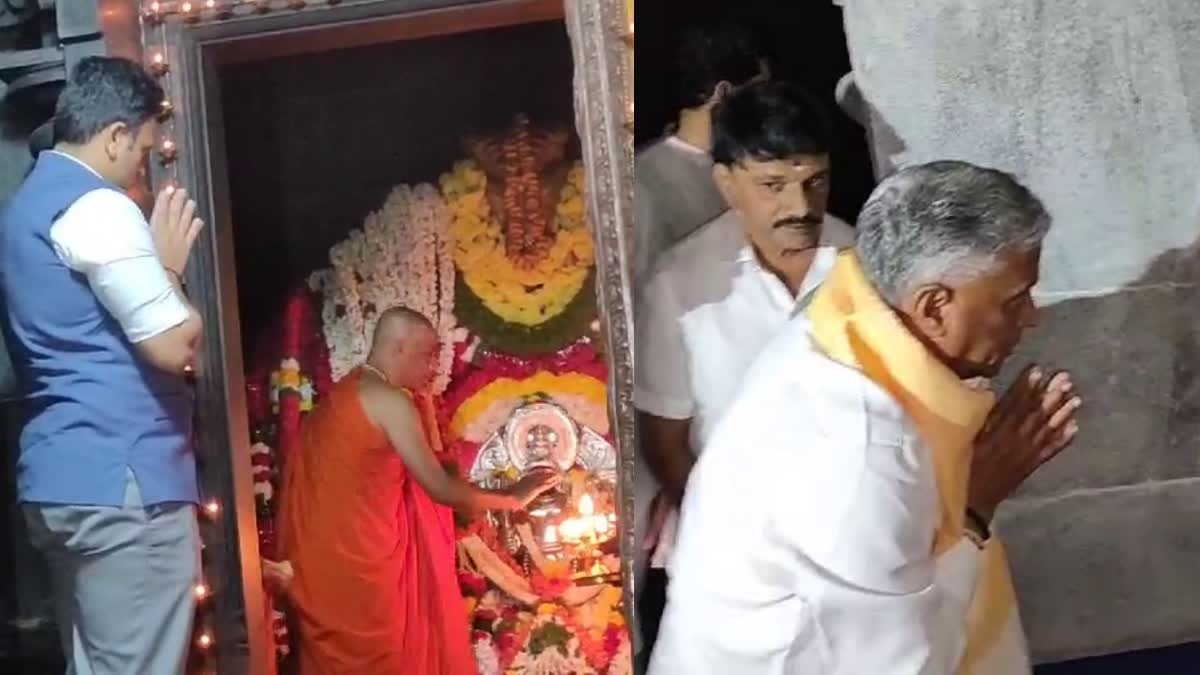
(711, 54)
(103, 90)
(767, 121)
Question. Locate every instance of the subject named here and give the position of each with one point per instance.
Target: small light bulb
(212, 508)
(201, 591)
(185, 7)
(210, 3)
(205, 640)
(158, 63)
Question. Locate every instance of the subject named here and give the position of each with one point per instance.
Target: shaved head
(399, 324)
(404, 346)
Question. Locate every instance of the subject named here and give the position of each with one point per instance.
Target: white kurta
(702, 319)
(806, 536)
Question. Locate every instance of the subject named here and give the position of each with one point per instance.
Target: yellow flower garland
(523, 296)
(508, 388)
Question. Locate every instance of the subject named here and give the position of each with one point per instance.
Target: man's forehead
(794, 166)
(1017, 271)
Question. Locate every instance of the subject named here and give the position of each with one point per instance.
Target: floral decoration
(526, 293)
(400, 257)
(574, 322)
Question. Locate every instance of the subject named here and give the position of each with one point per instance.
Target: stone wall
(1094, 105)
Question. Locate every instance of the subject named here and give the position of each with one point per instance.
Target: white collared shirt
(705, 314)
(703, 318)
(104, 236)
(806, 540)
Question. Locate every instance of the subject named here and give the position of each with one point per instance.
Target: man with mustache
(838, 521)
(718, 296)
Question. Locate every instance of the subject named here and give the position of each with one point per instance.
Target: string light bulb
(212, 508)
(166, 109)
(201, 591)
(211, 4)
(158, 64)
(186, 8)
(168, 151)
(205, 641)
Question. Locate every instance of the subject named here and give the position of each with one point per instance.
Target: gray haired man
(838, 520)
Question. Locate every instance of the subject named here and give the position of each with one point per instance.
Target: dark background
(316, 142)
(809, 47)
(806, 40)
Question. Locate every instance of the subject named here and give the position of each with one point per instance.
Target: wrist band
(978, 525)
(973, 536)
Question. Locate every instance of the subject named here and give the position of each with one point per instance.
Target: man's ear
(723, 177)
(113, 138)
(929, 309)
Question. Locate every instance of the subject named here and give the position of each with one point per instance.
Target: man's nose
(796, 200)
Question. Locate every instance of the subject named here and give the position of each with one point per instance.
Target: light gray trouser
(123, 581)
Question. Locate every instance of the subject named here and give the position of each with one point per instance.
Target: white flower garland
(402, 255)
(486, 658)
(552, 662)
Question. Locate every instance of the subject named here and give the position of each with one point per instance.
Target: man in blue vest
(101, 336)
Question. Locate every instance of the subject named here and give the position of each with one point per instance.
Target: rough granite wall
(1094, 104)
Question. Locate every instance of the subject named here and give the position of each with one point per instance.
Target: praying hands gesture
(1032, 423)
(174, 226)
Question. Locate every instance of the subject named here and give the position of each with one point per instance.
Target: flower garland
(400, 257)
(290, 368)
(522, 291)
(550, 640)
(572, 323)
(262, 461)
(555, 638)
(475, 370)
(583, 396)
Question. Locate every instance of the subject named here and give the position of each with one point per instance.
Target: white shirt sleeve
(105, 237)
(661, 383)
(872, 577)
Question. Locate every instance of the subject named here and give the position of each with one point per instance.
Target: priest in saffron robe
(366, 520)
(838, 521)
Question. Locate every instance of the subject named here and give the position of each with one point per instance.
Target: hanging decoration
(400, 257)
(521, 243)
(529, 290)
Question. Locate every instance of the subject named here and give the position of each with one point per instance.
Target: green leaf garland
(519, 340)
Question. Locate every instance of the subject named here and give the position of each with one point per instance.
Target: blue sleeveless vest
(93, 407)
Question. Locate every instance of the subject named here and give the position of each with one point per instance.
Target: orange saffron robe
(375, 589)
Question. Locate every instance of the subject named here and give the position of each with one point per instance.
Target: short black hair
(101, 91)
(710, 54)
(767, 121)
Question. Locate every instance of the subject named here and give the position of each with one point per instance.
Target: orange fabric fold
(375, 589)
